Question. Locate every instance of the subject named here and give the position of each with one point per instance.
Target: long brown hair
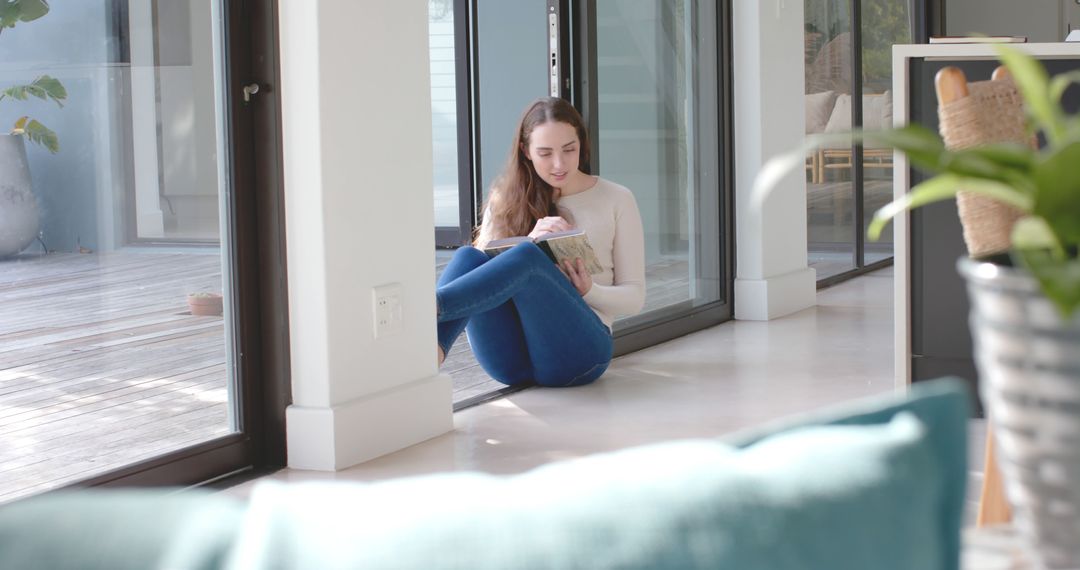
(519, 197)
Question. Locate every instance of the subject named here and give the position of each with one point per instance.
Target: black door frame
(262, 351)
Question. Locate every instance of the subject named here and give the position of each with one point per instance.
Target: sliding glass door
(652, 80)
(450, 116)
(656, 114)
(849, 51)
(130, 329)
(884, 23)
(486, 66)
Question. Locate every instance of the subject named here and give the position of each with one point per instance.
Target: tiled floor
(709, 383)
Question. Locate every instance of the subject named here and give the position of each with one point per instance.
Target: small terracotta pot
(204, 304)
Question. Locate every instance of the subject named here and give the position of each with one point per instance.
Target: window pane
(884, 23)
(512, 45)
(657, 110)
(443, 111)
(830, 197)
(103, 362)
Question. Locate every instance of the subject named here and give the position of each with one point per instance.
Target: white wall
(356, 116)
(149, 219)
(1038, 20)
(772, 276)
(188, 114)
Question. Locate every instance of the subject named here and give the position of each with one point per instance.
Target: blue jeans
(526, 321)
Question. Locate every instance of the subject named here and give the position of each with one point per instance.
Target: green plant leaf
(1011, 155)
(974, 165)
(43, 88)
(922, 146)
(1072, 128)
(1012, 164)
(1058, 279)
(42, 135)
(773, 171)
(1032, 232)
(53, 89)
(943, 187)
(15, 11)
(1057, 196)
(1034, 84)
(938, 188)
(1008, 163)
(1060, 82)
(999, 191)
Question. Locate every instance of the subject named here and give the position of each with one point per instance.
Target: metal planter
(18, 208)
(1028, 357)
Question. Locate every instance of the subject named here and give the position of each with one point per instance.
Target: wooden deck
(102, 365)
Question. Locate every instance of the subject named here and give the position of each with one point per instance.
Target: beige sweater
(609, 215)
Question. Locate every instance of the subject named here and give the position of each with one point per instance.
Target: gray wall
(512, 44)
(109, 147)
(72, 43)
(1038, 20)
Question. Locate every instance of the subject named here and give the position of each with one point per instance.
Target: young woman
(527, 318)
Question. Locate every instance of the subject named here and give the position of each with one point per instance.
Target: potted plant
(18, 207)
(205, 304)
(1025, 316)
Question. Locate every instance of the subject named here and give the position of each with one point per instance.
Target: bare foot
(442, 355)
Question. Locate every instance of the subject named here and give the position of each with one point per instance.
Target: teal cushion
(877, 485)
(119, 530)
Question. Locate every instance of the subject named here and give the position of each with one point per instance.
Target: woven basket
(991, 113)
(1028, 358)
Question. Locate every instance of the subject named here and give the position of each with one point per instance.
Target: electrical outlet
(387, 309)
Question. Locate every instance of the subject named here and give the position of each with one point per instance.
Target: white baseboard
(334, 438)
(766, 299)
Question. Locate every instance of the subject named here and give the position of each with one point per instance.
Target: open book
(559, 246)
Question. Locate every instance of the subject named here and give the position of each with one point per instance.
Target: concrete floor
(736, 375)
(709, 383)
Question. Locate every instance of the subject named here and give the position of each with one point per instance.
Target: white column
(149, 219)
(772, 278)
(356, 114)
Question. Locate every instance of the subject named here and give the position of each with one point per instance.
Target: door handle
(250, 90)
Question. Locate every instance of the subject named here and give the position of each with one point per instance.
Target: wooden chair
(952, 86)
(836, 158)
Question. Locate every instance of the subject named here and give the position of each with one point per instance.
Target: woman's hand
(550, 224)
(578, 275)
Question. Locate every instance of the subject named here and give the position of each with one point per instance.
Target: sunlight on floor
(706, 384)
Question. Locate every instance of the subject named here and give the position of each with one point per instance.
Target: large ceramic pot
(18, 208)
(1028, 357)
